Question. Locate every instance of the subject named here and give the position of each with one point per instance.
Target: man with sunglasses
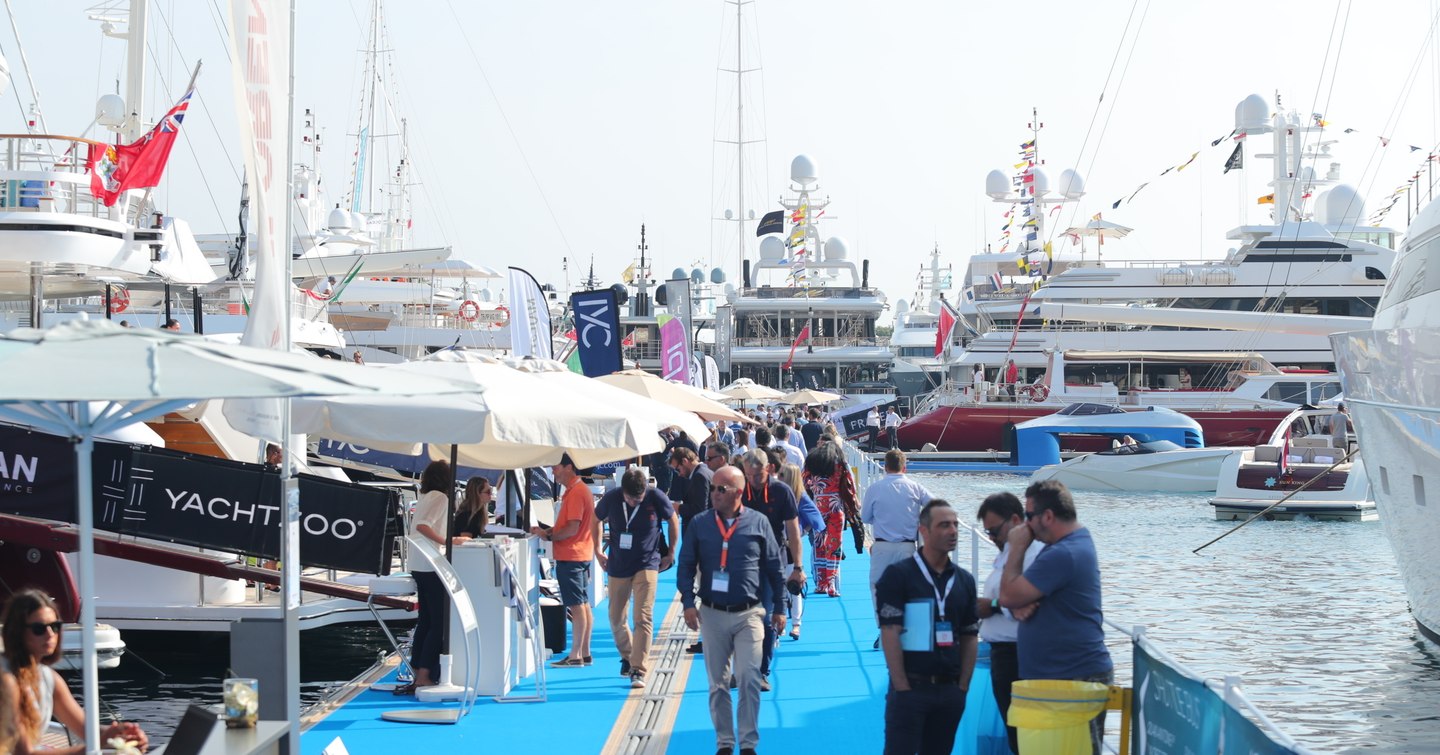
(733, 552)
(1065, 638)
(999, 514)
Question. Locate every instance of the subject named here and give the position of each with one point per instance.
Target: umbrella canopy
(746, 389)
(678, 395)
(517, 414)
(49, 377)
(1101, 228)
(808, 396)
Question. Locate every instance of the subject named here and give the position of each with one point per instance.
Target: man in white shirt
(872, 426)
(1000, 513)
(782, 441)
(892, 427)
(892, 509)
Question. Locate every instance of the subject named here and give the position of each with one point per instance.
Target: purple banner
(674, 351)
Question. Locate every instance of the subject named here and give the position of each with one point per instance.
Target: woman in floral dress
(833, 488)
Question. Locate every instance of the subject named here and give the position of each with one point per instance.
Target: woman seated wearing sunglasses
(32, 646)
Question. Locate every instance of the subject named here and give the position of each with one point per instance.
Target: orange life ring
(469, 310)
(119, 300)
(1039, 392)
(504, 315)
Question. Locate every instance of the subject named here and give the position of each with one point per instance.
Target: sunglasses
(713, 458)
(1032, 514)
(993, 532)
(39, 628)
(722, 489)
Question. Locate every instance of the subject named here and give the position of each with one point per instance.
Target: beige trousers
(639, 589)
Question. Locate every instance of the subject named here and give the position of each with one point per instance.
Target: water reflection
(1311, 616)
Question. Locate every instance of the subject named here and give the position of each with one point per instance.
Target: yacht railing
(57, 180)
(821, 342)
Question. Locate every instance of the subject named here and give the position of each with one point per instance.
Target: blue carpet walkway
(829, 694)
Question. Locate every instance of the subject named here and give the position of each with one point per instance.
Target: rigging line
(1089, 129)
(175, 47)
(29, 78)
(510, 129)
(222, 29)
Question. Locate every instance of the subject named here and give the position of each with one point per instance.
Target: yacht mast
(739, 133)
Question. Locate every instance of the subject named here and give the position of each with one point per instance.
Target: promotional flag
(801, 336)
(1019, 318)
(1237, 159)
(629, 274)
(771, 222)
(674, 349)
(944, 328)
(529, 317)
(260, 38)
(140, 164)
(597, 331)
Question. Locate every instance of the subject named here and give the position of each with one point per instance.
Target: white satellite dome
(339, 220)
(997, 184)
(730, 294)
(677, 274)
(358, 222)
(901, 307)
(717, 276)
(1343, 206)
(802, 170)
(835, 250)
(772, 249)
(1072, 184)
(1252, 114)
(697, 275)
(109, 109)
(934, 306)
(1041, 182)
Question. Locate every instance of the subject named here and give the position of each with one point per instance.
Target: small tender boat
(1156, 465)
(1300, 451)
(1158, 449)
(108, 647)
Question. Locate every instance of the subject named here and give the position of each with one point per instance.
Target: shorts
(574, 579)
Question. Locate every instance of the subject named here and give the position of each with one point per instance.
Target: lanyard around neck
(950, 585)
(725, 535)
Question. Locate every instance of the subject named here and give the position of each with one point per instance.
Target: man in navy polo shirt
(634, 513)
(1065, 639)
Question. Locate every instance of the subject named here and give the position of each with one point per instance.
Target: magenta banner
(674, 351)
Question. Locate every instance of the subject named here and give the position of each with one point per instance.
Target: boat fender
(469, 310)
(1039, 393)
(119, 300)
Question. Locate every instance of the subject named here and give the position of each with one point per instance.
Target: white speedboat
(1156, 465)
(108, 647)
(1301, 471)
(1389, 372)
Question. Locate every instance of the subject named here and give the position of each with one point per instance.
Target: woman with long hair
(829, 481)
(474, 513)
(32, 646)
(430, 523)
(812, 525)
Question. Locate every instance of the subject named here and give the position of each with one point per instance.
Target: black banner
(198, 500)
(771, 222)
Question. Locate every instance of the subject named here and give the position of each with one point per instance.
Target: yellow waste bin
(1053, 716)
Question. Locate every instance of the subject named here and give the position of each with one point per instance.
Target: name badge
(944, 634)
(626, 541)
(719, 582)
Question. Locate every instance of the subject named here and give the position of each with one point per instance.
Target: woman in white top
(430, 523)
(32, 645)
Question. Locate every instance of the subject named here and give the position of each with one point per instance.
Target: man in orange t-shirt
(573, 550)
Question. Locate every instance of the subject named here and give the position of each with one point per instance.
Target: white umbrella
(746, 389)
(678, 395)
(49, 377)
(810, 396)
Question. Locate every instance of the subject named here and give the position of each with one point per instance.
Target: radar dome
(109, 109)
(717, 276)
(1343, 206)
(934, 306)
(697, 275)
(1072, 185)
(1041, 182)
(802, 170)
(902, 306)
(339, 220)
(678, 274)
(1252, 114)
(621, 295)
(358, 222)
(772, 249)
(485, 295)
(835, 250)
(997, 184)
(730, 294)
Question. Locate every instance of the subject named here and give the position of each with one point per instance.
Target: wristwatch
(995, 605)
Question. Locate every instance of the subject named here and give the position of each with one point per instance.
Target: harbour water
(1312, 617)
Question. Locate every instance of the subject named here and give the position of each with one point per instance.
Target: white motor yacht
(1391, 373)
(1300, 472)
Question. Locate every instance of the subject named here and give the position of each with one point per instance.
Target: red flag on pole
(1024, 305)
(117, 169)
(944, 328)
(804, 334)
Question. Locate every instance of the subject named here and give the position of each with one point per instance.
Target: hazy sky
(598, 117)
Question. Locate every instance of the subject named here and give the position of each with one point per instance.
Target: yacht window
(1293, 393)
(1384, 481)
(1322, 391)
(1419, 490)
(1374, 274)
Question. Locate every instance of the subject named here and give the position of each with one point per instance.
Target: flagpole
(145, 199)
